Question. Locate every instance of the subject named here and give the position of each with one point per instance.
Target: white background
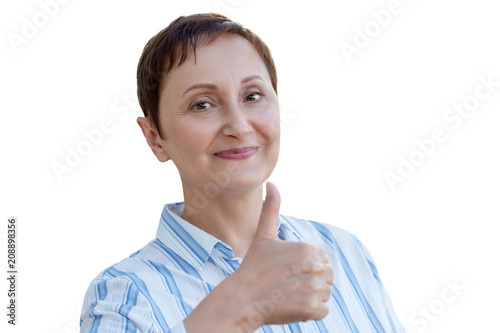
(344, 126)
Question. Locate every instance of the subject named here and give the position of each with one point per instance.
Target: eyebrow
(214, 87)
(253, 77)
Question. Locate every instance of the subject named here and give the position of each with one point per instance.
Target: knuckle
(303, 248)
(308, 259)
(310, 309)
(330, 274)
(321, 312)
(329, 289)
(312, 286)
(313, 267)
(314, 310)
(328, 293)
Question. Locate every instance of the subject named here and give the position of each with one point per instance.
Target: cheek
(270, 126)
(269, 130)
(190, 136)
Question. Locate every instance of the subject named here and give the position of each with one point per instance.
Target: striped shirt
(157, 287)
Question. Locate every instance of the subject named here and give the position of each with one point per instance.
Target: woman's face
(220, 117)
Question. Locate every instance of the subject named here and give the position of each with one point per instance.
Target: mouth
(237, 153)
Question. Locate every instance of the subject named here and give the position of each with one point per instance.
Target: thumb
(269, 216)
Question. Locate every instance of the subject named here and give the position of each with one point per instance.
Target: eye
(253, 97)
(202, 106)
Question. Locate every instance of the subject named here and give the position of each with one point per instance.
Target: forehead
(229, 57)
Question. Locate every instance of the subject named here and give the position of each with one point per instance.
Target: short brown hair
(171, 46)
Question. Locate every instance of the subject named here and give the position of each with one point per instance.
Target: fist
(282, 282)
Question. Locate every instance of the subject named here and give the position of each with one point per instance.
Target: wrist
(239, 305)
(227, 308)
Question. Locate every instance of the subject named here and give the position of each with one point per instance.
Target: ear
(153, 139)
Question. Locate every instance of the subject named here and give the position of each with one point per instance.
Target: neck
(231, 216)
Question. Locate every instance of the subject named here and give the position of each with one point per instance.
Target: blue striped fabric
(157, 287)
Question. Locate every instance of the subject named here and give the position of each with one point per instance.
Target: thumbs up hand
(278, 282)
(282, 282)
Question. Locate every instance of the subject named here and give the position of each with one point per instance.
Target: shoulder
(140, 266)
(118, 279)
(135, 290)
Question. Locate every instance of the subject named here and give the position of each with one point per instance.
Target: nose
(236, 122)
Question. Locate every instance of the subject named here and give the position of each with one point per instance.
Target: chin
(245, 184)
(233, 176)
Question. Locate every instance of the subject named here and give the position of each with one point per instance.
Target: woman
(224, 261)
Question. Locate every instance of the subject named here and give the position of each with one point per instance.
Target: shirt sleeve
(116, 305)
(391, 313)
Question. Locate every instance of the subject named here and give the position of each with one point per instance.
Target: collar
(194, 245)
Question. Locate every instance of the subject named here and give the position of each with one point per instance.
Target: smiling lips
(237, 153)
